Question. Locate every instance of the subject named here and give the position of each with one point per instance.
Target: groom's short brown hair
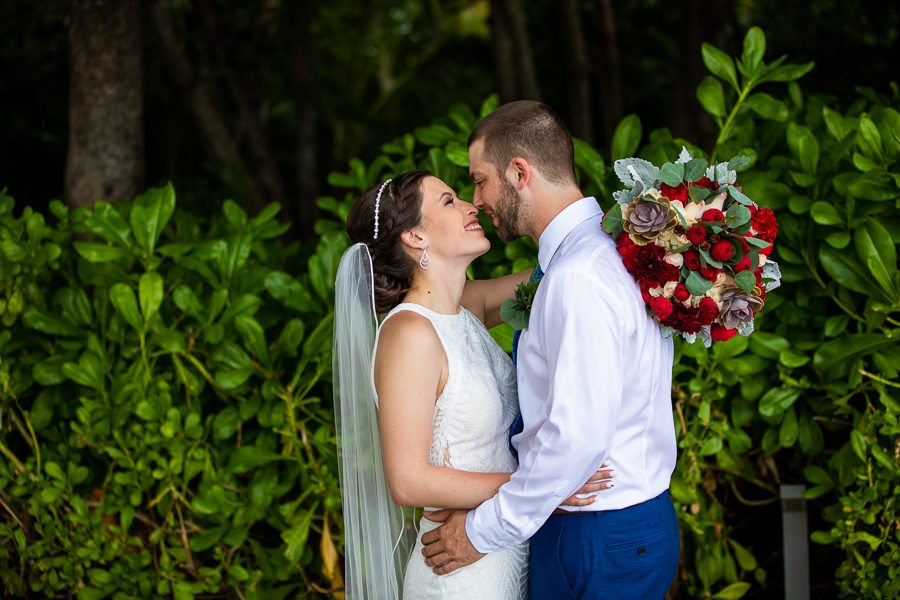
(530, 130)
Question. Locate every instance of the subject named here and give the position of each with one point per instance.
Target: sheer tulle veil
(376, 543)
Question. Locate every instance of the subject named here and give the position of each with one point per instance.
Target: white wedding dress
(469, 432)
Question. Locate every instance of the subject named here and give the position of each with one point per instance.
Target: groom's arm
(578, 334)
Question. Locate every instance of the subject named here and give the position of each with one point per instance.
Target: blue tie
(517, 425)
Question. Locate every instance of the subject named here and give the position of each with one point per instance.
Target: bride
(433, 431)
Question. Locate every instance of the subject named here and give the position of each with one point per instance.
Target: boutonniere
(516, 310)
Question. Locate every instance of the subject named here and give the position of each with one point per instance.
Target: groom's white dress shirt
(594, 378)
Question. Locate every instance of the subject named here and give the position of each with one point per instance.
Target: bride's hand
(599, 481)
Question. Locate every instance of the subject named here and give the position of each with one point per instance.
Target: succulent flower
(648, 216)
(737, 306)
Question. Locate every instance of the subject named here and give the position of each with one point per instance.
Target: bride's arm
(410, 371)
(484, 297)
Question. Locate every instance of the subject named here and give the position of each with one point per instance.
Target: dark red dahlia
(684, 319)
(646, 265)
(765, 224)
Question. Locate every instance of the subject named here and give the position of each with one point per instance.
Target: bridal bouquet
(696, 245)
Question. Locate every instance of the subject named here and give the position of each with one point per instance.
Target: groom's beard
(509, 210)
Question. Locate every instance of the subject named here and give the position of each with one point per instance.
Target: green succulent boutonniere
(516, 310)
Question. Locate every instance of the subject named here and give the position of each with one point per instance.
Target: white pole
(796, 543)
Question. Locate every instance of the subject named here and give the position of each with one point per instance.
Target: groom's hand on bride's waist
(448, 548)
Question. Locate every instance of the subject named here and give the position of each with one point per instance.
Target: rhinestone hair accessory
(377, 203)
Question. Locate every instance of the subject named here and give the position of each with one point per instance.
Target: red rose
(707, 311)
(767, 250)
(661, 307)
(742, 265)
(714, 215)
(696, 234)
(709, 273)
(705, 182)
(692, 259)
(623, 243)
(679, 193)
(681, 293)
(720, 333)
(722, 251)
(765, 224)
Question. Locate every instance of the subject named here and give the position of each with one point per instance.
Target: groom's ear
(520, 172)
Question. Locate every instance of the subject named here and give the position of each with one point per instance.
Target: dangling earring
(425, 260)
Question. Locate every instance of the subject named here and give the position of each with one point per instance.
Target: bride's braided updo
(399, 204)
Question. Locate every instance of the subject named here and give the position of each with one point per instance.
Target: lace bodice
(478, 403)
(469, 432)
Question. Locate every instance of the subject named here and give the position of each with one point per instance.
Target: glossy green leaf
(150, 212)
(100, 253)
(150, 291)
(626, 138)
(845, 270)
(123, 299)
(870, 138)
(777, 400)
(720, 65)
(835, 358)
(50, 323)
(711, 96)
(253, 335)
(875, 185)
(733, 591)
(295, 537)
(754, 48)
(106, 222)
(767, 107)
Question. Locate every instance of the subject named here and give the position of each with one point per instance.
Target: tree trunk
(578, 76)
(608, 69)
(306, 212)
(105, 158)
(521, 60)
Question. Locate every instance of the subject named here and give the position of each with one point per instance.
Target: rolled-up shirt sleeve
(575, 390)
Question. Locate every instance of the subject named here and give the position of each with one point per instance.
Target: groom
(594, 379)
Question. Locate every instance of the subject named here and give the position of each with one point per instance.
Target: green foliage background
(165, 376)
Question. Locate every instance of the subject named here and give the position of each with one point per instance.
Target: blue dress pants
(630, 553)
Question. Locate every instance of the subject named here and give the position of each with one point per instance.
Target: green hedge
(166, 425)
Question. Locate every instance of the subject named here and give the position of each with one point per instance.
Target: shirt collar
(562, 224)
